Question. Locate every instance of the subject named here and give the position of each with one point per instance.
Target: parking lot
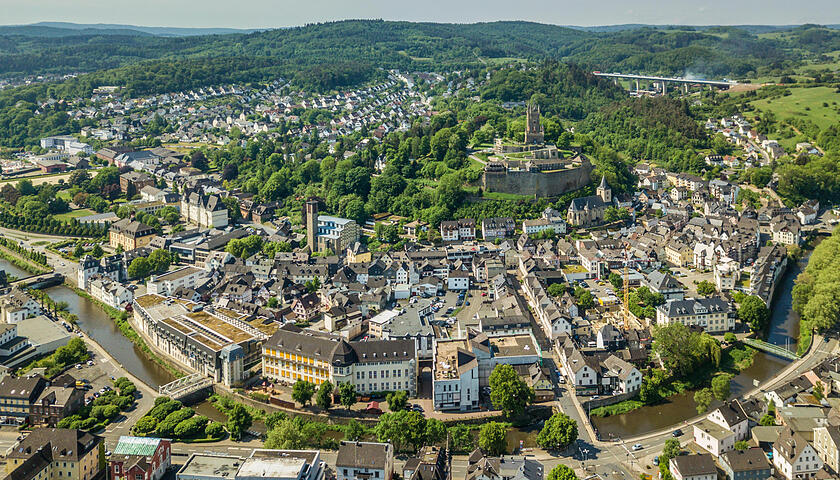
(690, 277)
(98, 373)
(450, 313)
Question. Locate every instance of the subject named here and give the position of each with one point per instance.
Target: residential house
(693, 467)
(140, 458)
(497, 227)
(827, 444)
(503, 468)
(749, 464)
(369, 460)
(56, 453)
(132, 182)
(17, 394)
(457, 230)
(786, 229)
(795, 458)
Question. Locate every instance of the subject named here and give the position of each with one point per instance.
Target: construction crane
(626, 311)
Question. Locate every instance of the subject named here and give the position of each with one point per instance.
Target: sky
(284, 13)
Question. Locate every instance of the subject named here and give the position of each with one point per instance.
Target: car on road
(417, 408)
(677, 433)
(637, 447)
(656, 461)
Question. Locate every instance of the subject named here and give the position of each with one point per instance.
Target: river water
(99, 326)
(12, 269)
(783, 330)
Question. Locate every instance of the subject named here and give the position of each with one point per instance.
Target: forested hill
(364, 45)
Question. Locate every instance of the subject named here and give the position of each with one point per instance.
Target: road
(39, 179)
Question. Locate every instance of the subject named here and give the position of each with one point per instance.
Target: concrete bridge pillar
(637, 85)
(686, 88)
(664, 88)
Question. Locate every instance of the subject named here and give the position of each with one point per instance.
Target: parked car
(656, 461)
(677, 433)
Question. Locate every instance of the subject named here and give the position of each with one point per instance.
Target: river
(96, 323)
(783, 330)
(12, 269)
(99, 326)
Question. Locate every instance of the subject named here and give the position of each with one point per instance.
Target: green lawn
(806, 103)
(82, 212)
(506, 196)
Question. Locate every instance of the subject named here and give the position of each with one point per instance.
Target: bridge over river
(770, 348)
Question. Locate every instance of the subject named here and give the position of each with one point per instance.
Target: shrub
(165, 408)
(145, 425)
(190, 427)
(214, 430)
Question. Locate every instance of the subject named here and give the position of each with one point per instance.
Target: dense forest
(405, 45)
(659, 129)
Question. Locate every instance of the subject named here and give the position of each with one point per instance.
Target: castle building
(534, 132)
(590, 210)
(533, 167)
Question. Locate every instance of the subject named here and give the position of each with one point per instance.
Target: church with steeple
(586, 211)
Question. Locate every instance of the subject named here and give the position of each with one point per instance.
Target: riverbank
(734, 360)
(22, 263)
(120, 319)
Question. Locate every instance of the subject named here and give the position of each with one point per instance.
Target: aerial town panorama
(381, 250)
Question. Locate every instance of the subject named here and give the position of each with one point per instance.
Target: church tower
(604, 191)
(312, 225)
(534, 134)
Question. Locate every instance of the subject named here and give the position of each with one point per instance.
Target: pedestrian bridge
(185, 386)
(770, 348)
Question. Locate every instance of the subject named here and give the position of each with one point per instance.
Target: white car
(637, 447)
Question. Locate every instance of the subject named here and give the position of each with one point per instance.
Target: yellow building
(130, 234)
(56, 453)
(679, 254)
(293, 354)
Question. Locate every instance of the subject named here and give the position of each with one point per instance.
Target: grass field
(806, 103)
(506, 196)
(82, 212)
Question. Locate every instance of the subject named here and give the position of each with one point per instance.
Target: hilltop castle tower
(534, 133)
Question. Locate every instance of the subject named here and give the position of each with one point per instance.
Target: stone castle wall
(541, 184)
